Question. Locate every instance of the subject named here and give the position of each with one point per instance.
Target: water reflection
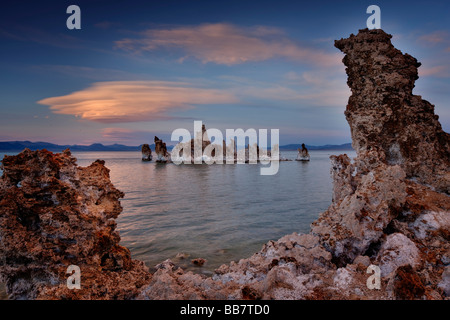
(218, 212)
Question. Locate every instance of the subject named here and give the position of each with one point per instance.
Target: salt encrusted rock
(396, 251)
(198, 262)
(354, 222)
(54, 214)
(445, 282)
(362, 260)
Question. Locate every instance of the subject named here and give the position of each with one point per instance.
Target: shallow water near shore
(217, 212)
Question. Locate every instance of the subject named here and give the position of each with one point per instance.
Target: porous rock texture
(54, 214)
(390, 209)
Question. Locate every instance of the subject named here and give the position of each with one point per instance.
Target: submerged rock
(198, 262)
(390, 125)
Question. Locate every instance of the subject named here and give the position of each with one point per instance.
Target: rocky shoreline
(390, 209)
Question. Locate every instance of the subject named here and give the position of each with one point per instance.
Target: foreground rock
(54, 214)
(303, 154)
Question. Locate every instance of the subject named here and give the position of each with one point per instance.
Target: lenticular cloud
(130, 101)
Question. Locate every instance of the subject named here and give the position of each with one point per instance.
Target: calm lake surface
(217, 212)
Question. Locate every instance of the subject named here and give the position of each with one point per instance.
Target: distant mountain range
(11, 146)
(345, 146)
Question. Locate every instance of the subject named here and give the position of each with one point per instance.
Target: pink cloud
(435, 37)
(436, 71)
(227, 44)
(131, 101)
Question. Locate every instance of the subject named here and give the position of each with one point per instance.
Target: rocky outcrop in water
(389, 212)
(208, 152)
(54, 214)
(146, 153)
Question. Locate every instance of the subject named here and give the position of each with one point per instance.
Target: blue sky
(142, 68)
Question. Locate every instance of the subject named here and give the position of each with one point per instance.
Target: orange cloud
(227, 44)
(125, 134)
(128, 101)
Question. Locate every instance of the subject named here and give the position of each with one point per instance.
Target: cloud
(227, 44)
(436, 62)
(440, 71)
(435, 37)
(132, 101)
(136, 101)
(125, 134)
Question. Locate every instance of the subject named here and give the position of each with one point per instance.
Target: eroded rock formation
(146, 153)
(54, 214)
(303, 154)
(161, 151)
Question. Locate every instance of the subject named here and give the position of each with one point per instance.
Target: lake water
(217, 212)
